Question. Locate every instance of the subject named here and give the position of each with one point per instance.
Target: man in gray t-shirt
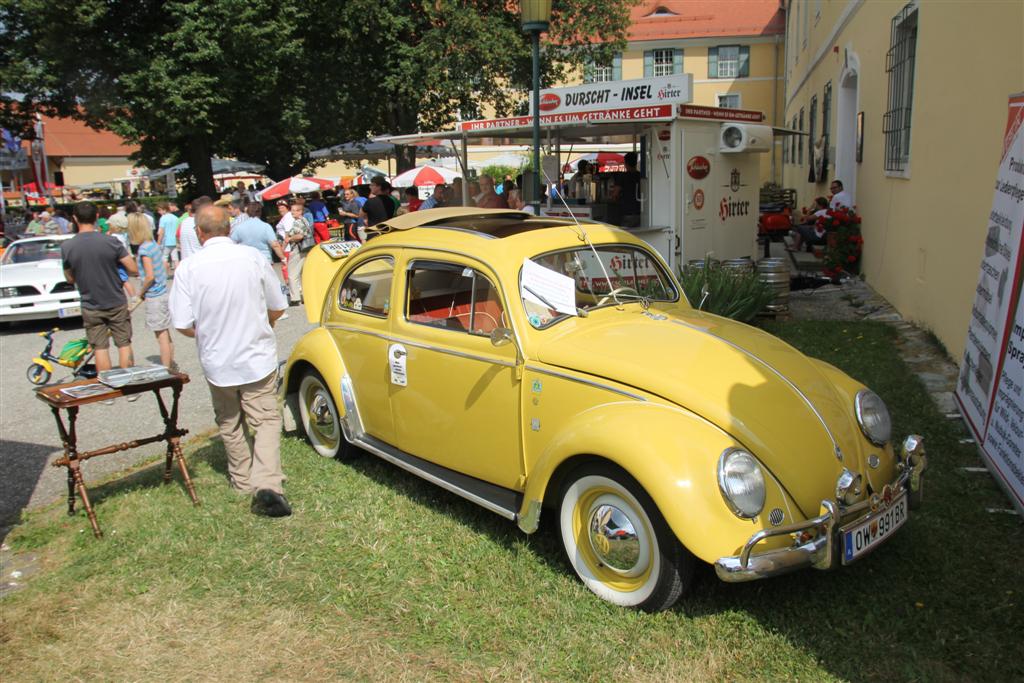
(91, 261)
(253, 232)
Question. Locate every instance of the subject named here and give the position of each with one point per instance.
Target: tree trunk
(201, 166)
(280, 168)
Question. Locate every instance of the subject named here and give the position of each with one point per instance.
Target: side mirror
(501, 336)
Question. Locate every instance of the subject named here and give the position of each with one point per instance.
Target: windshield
(36, 250)
(620, 272)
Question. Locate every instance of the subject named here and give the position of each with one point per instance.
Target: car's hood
(45, 272)
(769, 396)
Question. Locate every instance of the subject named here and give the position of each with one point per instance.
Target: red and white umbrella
(424, 175)
(296, 185)
(606, 162)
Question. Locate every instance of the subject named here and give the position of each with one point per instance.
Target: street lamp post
(536, 17)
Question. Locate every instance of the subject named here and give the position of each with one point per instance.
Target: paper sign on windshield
(548, 288)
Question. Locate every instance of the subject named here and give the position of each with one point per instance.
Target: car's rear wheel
(320, 418)
(37, 374)
(618, 542)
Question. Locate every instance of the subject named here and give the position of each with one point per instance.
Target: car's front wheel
(618, 542)
(320, 418)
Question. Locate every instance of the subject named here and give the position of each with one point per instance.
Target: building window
(729, 100)
(899, 64)
(800, 139)
(729, 61)
(826, 126)
(812, 125)
(664, 62)
(792, 142)
(594, 73)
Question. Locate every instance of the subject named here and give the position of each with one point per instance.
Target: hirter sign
(642, 92)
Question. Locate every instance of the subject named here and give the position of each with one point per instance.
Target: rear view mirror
(501, 336)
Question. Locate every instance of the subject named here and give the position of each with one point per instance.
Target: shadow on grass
(152, 476)
(544, 543)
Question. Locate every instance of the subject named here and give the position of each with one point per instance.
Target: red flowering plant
(844, 243)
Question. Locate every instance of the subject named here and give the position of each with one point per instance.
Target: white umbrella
(296, 185)
(424, 175)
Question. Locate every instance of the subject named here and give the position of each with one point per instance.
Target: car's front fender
(672, 453)
(317, 351)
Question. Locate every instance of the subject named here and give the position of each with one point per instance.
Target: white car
(32, 284)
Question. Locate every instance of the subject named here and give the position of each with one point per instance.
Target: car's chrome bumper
(820, 550)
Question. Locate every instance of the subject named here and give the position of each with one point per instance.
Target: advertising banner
(676, 89)
(990, 390)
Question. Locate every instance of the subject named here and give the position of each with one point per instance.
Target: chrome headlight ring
(741, 482)
(873, 417)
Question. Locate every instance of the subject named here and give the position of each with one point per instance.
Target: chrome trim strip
(378, 450)
(351, 423)
(802, 395)
(419, 345)
(459, 354)
(587, 382)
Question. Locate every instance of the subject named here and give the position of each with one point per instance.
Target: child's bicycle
(76, 355)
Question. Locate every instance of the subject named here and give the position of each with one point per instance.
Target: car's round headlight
(742, 483)
(873, 417)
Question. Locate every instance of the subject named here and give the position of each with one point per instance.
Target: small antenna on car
(585, 237)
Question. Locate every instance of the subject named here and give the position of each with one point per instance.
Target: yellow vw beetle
(536, 365)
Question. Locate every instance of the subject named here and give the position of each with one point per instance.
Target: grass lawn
(381, 576)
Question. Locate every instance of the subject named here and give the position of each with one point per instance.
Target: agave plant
(731, 293)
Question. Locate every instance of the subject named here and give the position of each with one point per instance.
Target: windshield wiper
(579, 311)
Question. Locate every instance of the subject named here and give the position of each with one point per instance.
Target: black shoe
(270, 504)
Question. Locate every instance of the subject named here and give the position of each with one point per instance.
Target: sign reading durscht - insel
(990, 389)
(643, 92)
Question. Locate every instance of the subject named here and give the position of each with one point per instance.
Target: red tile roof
(70, 138)
(673, 19)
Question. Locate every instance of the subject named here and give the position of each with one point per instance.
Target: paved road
(28, 434)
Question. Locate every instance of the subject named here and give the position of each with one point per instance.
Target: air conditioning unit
(744, 137)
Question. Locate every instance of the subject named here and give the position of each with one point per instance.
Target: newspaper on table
(137, 374)
(86, 390)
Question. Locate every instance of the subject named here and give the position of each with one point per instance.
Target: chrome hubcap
(613, 539)
(320, 412)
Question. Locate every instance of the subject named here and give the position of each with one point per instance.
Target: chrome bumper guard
(819, 551)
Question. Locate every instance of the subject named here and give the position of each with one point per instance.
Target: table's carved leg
(174, 441)
(168, 432)
(179, 456)
(70, 451)
(80, 484)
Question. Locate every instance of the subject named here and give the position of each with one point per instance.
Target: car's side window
(453, 297)
(367, 289)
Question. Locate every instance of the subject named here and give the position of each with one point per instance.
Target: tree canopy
(268, 81)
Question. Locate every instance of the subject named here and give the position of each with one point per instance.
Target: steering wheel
(617, 290)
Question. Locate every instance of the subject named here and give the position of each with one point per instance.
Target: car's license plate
(866, 535)
(69, 311)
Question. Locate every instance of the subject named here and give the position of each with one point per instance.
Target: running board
(497, 499)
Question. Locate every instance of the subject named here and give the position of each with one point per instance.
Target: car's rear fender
(315, 351)
(673, 454)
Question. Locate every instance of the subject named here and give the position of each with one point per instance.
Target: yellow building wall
(924, 233)
(86, 170)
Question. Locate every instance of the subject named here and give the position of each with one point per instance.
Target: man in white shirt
(227, 296)
(840, 197)
(188, 241)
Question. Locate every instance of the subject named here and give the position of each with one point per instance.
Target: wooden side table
(72, 459)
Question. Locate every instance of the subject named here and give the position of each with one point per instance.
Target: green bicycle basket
(74, 350)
